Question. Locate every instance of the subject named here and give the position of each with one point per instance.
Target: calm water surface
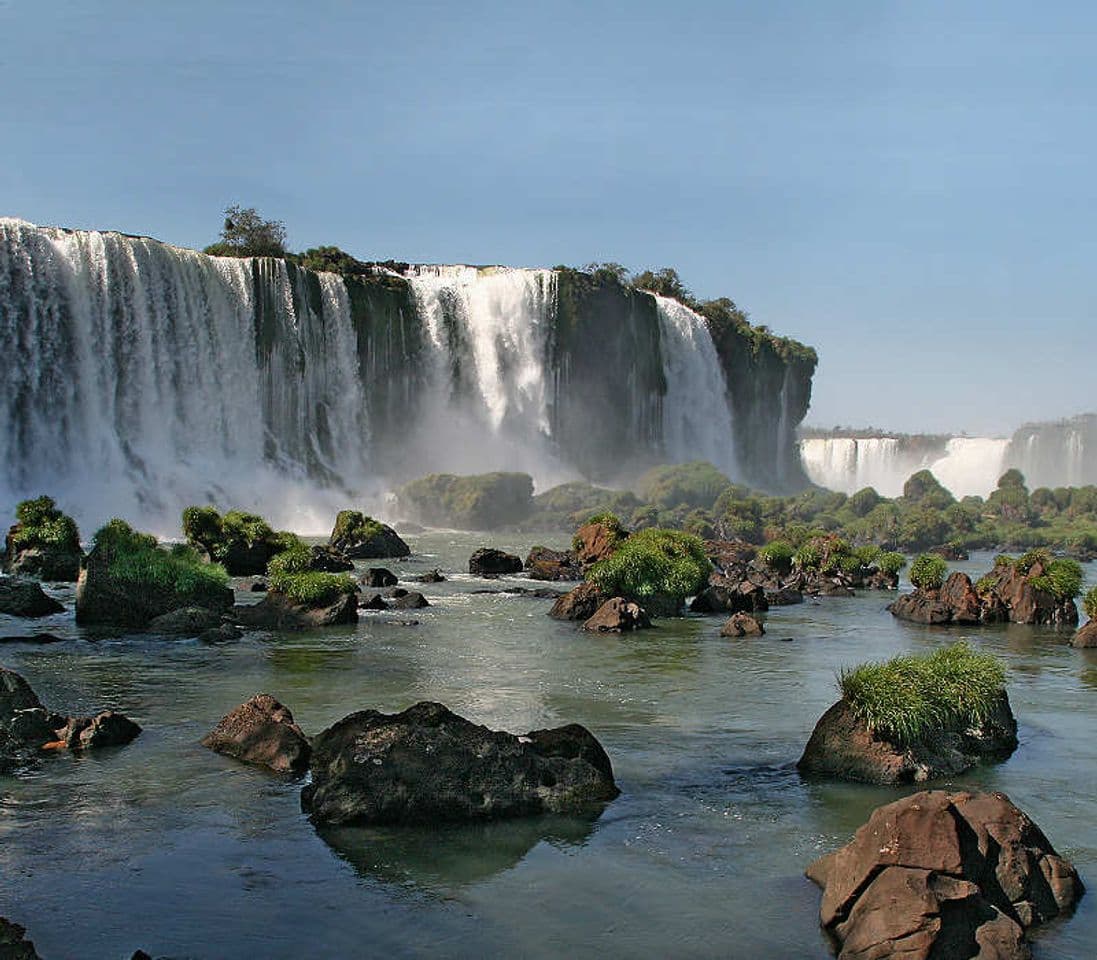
(167, 846)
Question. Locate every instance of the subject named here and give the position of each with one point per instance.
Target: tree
(246, 234)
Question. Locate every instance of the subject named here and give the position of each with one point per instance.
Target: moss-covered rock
(357, 536)
(243, 543)
(485, 501)
(43, 543)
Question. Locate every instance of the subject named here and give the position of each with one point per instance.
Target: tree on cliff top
(246, 234)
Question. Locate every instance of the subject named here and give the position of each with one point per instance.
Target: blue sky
(908, 187)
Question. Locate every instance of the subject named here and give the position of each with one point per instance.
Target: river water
(166, 846)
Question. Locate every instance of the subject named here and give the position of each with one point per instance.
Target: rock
(943, 875)
(1026, 602)
(783, 597)
(618, 615)
(726, 554)
(326, 559)
(410, 601)
(276, 611)
(955, 602)
(428, 765)
(184, 622)
(950, 551)
(13, 942)
(379, 577)
(107, 729)
(359, 537)
(221, 634)
(54, 565)
(32, 638)
(842, 747)
(21, 597)
(596, 541)
(742, 625)
(489, 562)
(879, 580)
(261, 732)
(258, 586)
(578, 604)
(540, 593)
(1086, 636)
(373, 602)
(723, 595)
(433, 576)
(545, 564)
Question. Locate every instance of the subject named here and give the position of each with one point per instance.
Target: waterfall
(697, 422)
(971, 466)
(146, 377)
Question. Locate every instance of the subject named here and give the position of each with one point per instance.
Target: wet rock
(489, 562)
(943, 875)
(45, 563)
(327, 559)
(742, 625)
(276, 611)
(596, 541)
(578, 604)
(618, 615)
(32, 638)
(185, 622)
(258, 586)
(842, 747)
(540, 593)
(373, 601)
(428, 765)
(379, 577)
(13, 942)
(359, 537)
(725, 595)
(22, 597)
(410, 601)
(784, 597)
(261, 731)
(221, 634)
(107, 729)
(432, 576)
(395, 593)
(1086, 636)
(545, 564)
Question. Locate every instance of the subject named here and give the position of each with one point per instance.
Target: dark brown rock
(379, 577)
(428, 765)
(432, 576)
(545, 564)
(184, 622)
(489, 562)
(842, 747)
(783, 597)
(261, 731)
(727, 595)
(410, 600)
(276, 611)
(596, 541)
(1086, 636)
(22, 597)
(943, 875)
(56, 565)
(578, 604)
(617, 615)
(324, 558)
(741, 625)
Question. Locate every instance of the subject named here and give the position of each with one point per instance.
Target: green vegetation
(136, 559)
(246, 234)
(242, 541)
(42, 526)
(353, 526)
(481, 502)
(908, 699)
(616, 533)
(656, 568)
(290, 574)
(928, 571)
(1089, 603)
(690, 485)
(891, 562)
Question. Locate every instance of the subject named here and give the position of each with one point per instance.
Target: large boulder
(545, 564)
(43, 543)
(326, 559)
(428, 765)
(277, 611)
(1022, 595)
(580, 603)
(261, 732)
(742, 625)
(489, 562)
(726, 595)
(618, 615)
(377, 577)
(184, 622)
(21, 597)
(943, 875)
(358, 537)
(13, 942)
(842, 747)
(1086, 637)
(596, 541)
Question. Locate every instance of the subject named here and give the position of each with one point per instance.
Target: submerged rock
(742, 625)
(578, 604)
(432, 576)
(21, 597)
(618, 615)
(13, 942)
(842, 747)
(358, 537)
(943, 875)
(427, 765)
(489, 562)
(261, 731)
(277, 611)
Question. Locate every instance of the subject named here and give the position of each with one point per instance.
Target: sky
(907, 187)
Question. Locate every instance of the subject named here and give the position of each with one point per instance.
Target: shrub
(777, 556)
(808, 557)
(928, 571)
(136, 558)
(479, 502)
(202, 526)
(42, 525)
(1062, 578)
(909, 698)
(891, 562)
(246, 234)
(657, 568)
(1089, 603)
(695, 484)
(312, 589)
(868, 555)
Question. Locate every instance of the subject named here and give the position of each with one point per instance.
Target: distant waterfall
(1061, 453)
(694, 428)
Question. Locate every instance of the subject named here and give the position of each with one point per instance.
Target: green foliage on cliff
(480, 502)
(656, 568)
(136, 559)
(1089, 603)
(908, 699)
(230, 537)
(246, 234)
(42, 526)
(928, 571)
(777, 555)
(694, 484)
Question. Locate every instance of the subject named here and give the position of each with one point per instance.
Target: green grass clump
(352, 526)
(135, 558)
(297, 559)
(1089, 603)
(312, 589)
(42, 525)
(1062, 578)
(777, 556)
(928, 571)
(657, 568)
(910, 698)
(891, 562)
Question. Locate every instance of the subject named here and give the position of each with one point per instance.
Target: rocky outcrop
(46, 563)
(596, 541)
(1004, 595)
(379, 577)
(1086, 637)
(618, 615)
(261, 732)
(842, 747)
(431, 576)
(428, 765)
(22, 597)
(943, 875)
(276, 611)
(578, 604)
(13, 942)
(742, 625)
(545, 564)
(727, 595)
(410, 600)
(184, 622)
(489, 562)
(326, 559)
(359, 537)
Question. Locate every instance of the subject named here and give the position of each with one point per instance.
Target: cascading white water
(694, 428)
(971, 466)
(133, 383)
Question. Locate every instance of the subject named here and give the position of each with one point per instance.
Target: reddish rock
(578, 604)
(261, 731)
(545, 564)
(958, 594)
(742, 625)
(596, 541)
(1086, 636)
(617, 615)
(957, 875)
